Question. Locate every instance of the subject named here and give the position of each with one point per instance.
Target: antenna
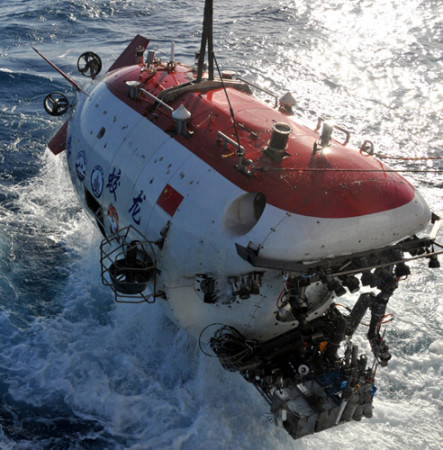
(206, 38)
(60, 72)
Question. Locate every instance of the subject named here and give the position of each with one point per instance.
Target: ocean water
(78, 371)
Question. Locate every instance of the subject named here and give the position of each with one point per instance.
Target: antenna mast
(206, 38)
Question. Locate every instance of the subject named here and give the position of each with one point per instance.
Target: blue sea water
(79, 371)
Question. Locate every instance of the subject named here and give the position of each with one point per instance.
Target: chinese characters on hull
(135, 209)
(114, 181)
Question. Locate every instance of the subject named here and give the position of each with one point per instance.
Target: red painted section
(304, 183)
(127, 58)
(169, 200)
(58, 143)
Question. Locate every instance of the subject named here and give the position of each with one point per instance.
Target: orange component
(323, 345)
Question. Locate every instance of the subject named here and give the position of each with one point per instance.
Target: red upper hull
(339, 182)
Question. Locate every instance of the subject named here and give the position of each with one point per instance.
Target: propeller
(89, 64)
(56, 103)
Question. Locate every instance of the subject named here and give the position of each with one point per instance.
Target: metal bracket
(327, 130)
(245, 166)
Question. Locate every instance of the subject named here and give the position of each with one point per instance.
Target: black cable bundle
(233, 350)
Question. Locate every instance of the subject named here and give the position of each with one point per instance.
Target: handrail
(228, 140)
(157, 99)
(256, 86)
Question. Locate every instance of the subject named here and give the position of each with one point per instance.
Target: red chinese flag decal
(169, 199)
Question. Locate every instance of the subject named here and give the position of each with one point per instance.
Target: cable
(327, 169)
(344, 306)
(382, 321)
(279, 298)
(410, 158)
(201, 334)
(229, 101)
(233, 350)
